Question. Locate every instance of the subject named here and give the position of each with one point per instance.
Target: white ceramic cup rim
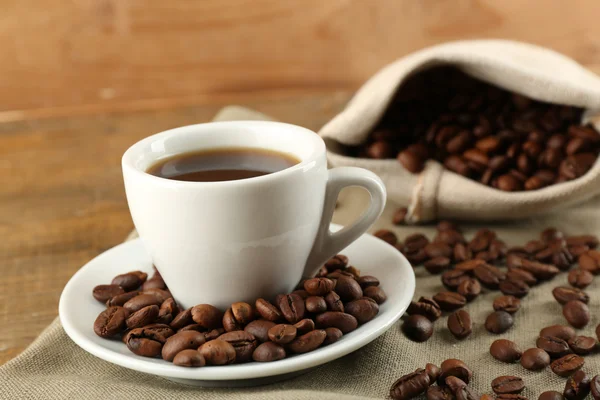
(132, 158)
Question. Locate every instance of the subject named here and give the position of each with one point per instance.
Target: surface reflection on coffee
(223, 164)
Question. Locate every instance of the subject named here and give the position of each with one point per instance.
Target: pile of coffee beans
(501, 139)
(452, 378)
(143, 313)
(468, 267)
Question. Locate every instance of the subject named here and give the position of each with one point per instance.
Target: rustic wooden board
(62, 198)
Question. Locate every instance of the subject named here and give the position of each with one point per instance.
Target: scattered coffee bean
(535, 359)
(508, 385)
(580, 278)
(110, 322)
(410, 385)
(518, 274)
(498, 322)
(576, 313)
(459, 324)
(567, 365)
(433, 371)
(595, 387)
(437, 265)
(470, 289)
(400, 216)
(555, 347)
(514, 288)
(450, 301)
(387, 236)
(425, 306)
(560, 331)
(564, 294)
(509, 304)
(417, 328)
(189, 358)
(590, 261)
(582, 345)
(440, 393)
(577, 386)
(454, 367)
(459, 388)
(510, 396)
(551, 395)
(268, 351)
(506, 351)
(218, 352)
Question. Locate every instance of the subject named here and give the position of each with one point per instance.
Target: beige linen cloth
(53, 367)
(533, 71)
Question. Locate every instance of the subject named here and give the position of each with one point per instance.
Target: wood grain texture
(62, 197)
(79, 52)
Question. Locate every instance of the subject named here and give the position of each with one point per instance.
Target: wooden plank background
(59, 53)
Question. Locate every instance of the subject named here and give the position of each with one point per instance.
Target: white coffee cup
(222, 242)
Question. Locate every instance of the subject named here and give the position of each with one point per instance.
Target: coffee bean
(453, 278)
(439, 393)
(304, 326)
(148, 341)
(551, 395)
(514, 288)
(387, 236)
(282, 333)
(416, 258)
(143, 317)
(590, 261)
(189, 358)
(535, 359)
(508, 385)
(400, 216)
(577, 386)
(510, 304)
(454, 367)
(259, 329)
(292, 307)
(589, 240)
(595, 387)
(567, 365)
(318, 286)
(578, 250)
(308, 342)
(141, 301)
(459, 324)
(110, 321)
(411, 161)
(348, 289)
(470, 289)
(367, 280)
(156, 282)
(417, 328)
(268, 351)
(160, 294)
(541, 271)
(182, 319)
(450, 301)
(363, 310)
(243, 343)
(576, 313)
(555, 347)
(580, 278)
(505, 350)
(267, 310)
(104, 293)
(560, 331)
(498, 322)
(469, 266)
(208, 316)
(334, 303)
(426, 307)
(218, 352)
(461, 253)
(380, 150)
(130, 281)
(121, 299)
(489, 276)
(414, 242)
(181, 341)
(410, 385)
(518, 274)
(582, 345)
(315, 304)
(564, 294)
(459, 388)
(339, 261)
(450, 237)
(438, 249)
(437, 265)
(332, 335)
(433, 371)
(344, 322)
(376, 293)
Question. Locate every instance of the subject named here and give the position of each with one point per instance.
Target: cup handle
(328, 243)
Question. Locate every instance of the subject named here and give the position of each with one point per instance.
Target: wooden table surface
(62, 198)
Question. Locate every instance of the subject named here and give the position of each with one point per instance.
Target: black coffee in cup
(223, 164)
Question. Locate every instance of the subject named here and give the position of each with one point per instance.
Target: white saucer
(78, 310)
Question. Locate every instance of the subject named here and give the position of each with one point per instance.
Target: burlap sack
(529, 70)
(55, 368)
